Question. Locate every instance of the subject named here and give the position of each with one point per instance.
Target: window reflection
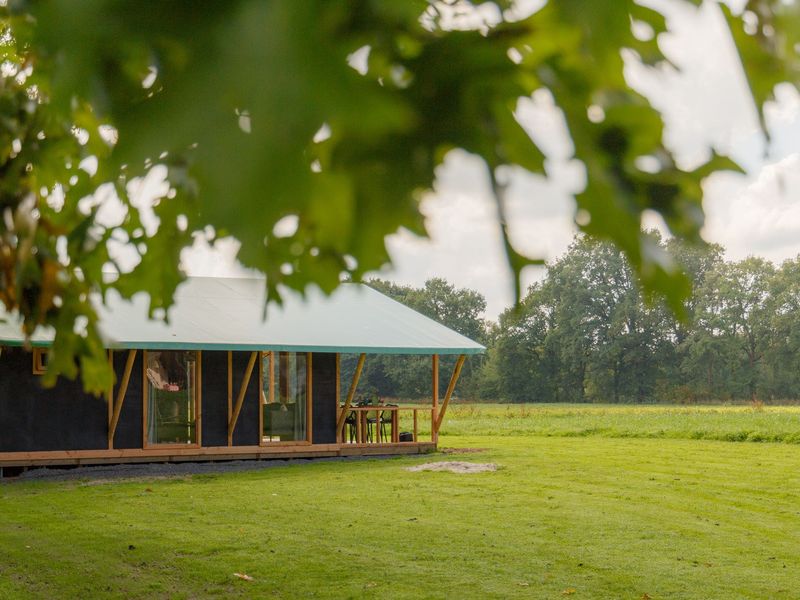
(171, 398)
(284, 397)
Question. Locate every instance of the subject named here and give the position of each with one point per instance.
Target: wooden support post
(415, 425)
(240, 398)
(262, 398)
(309, 397)
(230, 384)
(110, 390)
(351, 392)
(123, 388)
(451, 386)
(435, 403)
(272, 377)
(265, 397)
(199, 399)
(145, 394)
(338, 385)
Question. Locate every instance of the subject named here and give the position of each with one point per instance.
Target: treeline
(586, 334)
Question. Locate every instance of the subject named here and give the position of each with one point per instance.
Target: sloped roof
(226, 314)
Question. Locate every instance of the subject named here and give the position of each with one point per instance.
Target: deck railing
(382, 423)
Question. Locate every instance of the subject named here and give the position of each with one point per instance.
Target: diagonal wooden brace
(123, 388)
(450, 388)
(240, 398)
(350, 394)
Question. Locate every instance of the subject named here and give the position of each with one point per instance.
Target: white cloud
(761, 217)
(202, 259)
(465, 244)
(144, 191)
(705, 102)
(111, 212)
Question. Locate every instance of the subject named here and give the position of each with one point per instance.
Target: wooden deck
(177, 454)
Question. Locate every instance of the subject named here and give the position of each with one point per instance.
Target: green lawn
(727, 423)
(580, 517)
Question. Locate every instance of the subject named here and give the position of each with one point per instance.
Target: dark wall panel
(34, 418)
(323, 396)
(247, 427)
(129, 427)
(65, 418)
(215, 398)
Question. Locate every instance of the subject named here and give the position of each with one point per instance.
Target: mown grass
(726, 423)
(578, 517)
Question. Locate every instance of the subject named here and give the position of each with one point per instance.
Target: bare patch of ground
(455, 466)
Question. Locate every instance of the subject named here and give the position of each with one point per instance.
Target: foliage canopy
(261, 111)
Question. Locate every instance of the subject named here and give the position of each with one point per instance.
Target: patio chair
(380, 423)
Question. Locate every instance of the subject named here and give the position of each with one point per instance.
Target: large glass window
(171, 401)
(285, 397)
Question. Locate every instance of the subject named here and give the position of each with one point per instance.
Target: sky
(705, 105)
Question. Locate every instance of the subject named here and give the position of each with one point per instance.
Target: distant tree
(587, 332)
(734, 311)
(782, 355)
(611, 335)
(459, 309)
(696, 260)
(691, 374)
(487, 381)
(526, 366)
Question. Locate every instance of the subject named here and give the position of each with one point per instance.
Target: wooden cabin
(220, 382)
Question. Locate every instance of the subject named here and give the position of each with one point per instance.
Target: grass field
(726, 423)
(573, 512)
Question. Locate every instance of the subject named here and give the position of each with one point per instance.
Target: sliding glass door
(285, 397)
(171, 398)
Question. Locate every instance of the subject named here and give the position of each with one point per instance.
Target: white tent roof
(226, 314)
